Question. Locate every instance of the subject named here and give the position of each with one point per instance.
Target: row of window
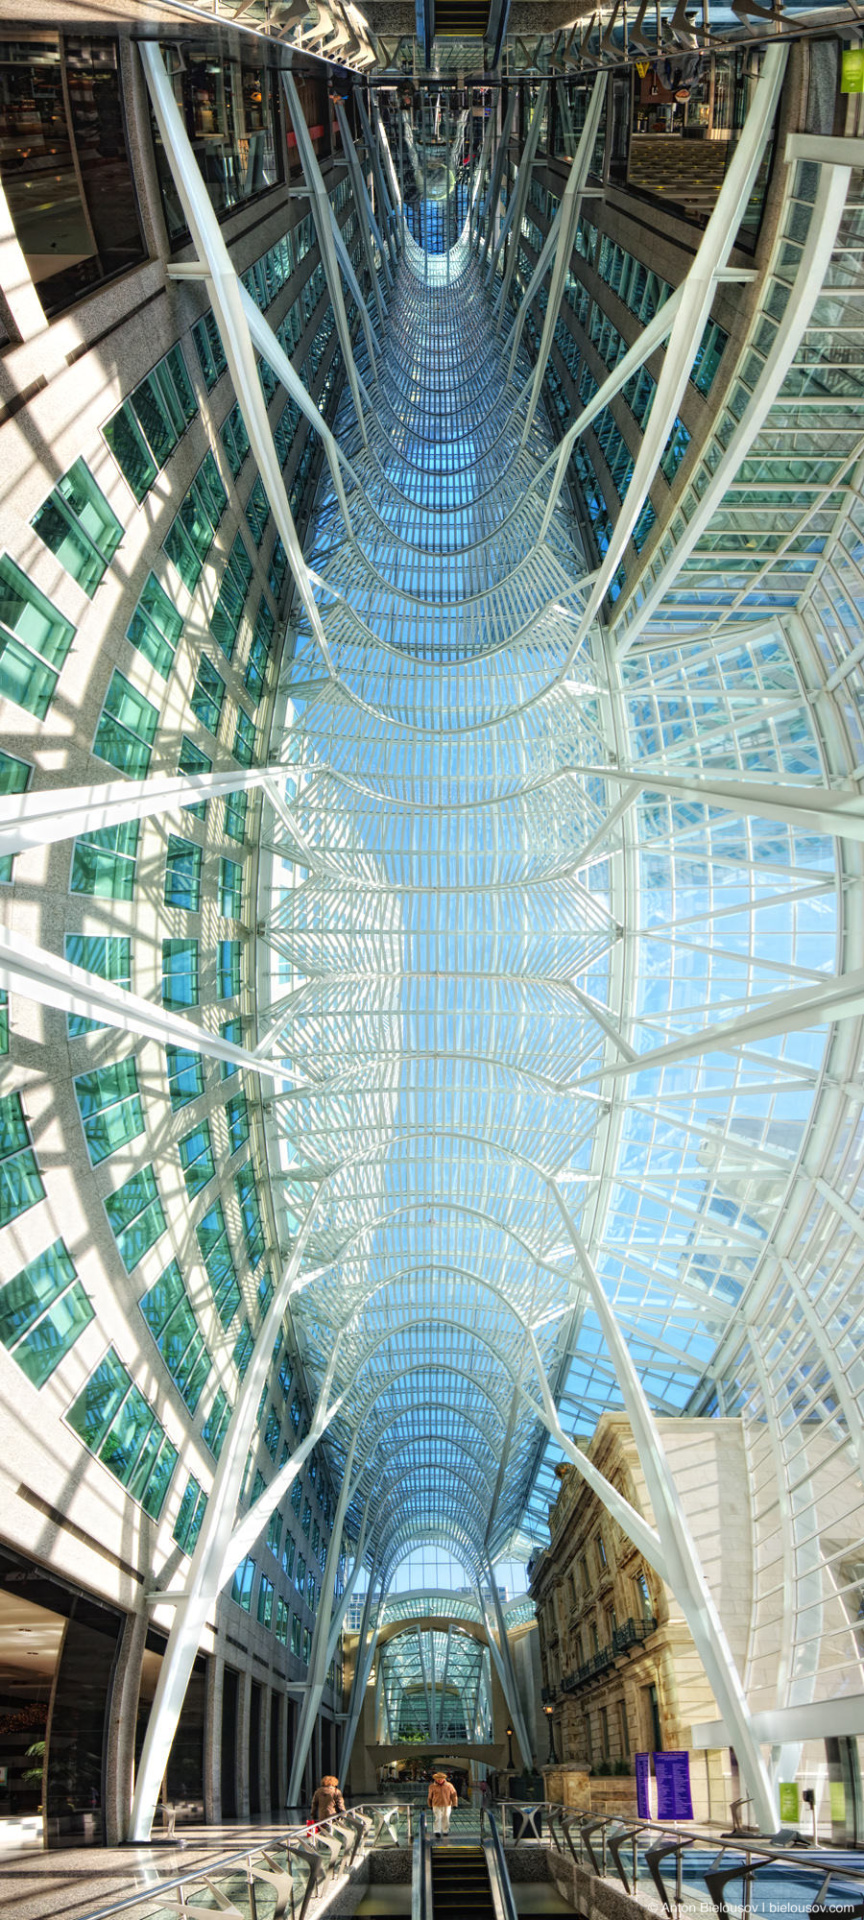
(242, 1588)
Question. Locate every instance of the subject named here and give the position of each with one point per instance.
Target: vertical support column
(504, 1668)
(567, 216)
(362, 1669)
(520, 199)
(490, 250)
(318, 1662)
(363, 209)
(378, 177)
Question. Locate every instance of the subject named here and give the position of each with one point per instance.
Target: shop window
(103, 863)
(185, 1075)
(117, 1423)
(228, 611)
(78, 525)
(179, 973)
(127, 728)
(235, 816)
(187, 1525)
(20, 1183)
(207, 695)
(243, 1349)
(216, 1424)
(14, 778)
(242, 1584)
(193, 760)
(110, 1108)
(244, 739)
(65, 165)
(42, 1312)
(135, 1216)
(218, 1261)
(168, 1313)
(196, 1159)
(228, 968)
(230, 1030)
(143, 433)
(155, 627)
(109, 956)
(265, 1602)
(231, 108)
(34, 640)
(182, 874)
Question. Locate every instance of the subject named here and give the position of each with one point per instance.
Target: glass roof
(476, 931)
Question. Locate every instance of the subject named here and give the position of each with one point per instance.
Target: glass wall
(64, 163)
(231, 109)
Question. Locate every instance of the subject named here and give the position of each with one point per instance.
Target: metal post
(321, 213)
(568, 216)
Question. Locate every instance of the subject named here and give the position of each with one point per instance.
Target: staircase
(460, 1882)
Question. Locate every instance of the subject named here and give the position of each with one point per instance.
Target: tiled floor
(46, 1886)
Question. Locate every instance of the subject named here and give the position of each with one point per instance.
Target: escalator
(459, 1881)
(461, 1884)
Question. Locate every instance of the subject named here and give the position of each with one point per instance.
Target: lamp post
(510, 1760)
(553, 1757)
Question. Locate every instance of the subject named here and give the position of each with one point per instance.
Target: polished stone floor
(46, 1886)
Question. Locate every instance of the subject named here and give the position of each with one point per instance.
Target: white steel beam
(363, 209)
(374, 153)
(566, 219)
(696, 295)
(492, 242)
(321, 214)
(206, 1571)
(318, 1662)
(225, 293)
(35, 819)
(520, 200)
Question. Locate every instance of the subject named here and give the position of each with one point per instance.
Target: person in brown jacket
(441, 1798)
(327, 1800)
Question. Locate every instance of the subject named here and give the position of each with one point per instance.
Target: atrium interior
(431, 943)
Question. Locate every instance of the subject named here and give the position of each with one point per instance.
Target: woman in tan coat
(441, 1798)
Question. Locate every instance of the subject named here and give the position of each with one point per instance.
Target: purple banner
(643, 1790)
(674, 1799)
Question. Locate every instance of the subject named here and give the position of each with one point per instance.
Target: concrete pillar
(120, 1734)
(244, 1698)
(213, 1741)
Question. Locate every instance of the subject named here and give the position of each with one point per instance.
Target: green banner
(790, 1801)
(852, 70)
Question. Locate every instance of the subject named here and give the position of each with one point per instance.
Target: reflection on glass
(64, 163)
(232, 119)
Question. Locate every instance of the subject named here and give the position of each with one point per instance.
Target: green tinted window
(187, 1525)
(78, 525)
(259, 651)
(244, 739)
(208, 695)
(127, 727)
(196, 1158)
(34, 641)
(216, 1423)
(103, 863)
(135, 1216)
(242, 1584)
(265, 1602)
(145, 430)
(211, 353)
(218, 1259)
(235, 440)
(237, 1116)
(227, 613)
(155, 627)
(169, 1315)
(107, 955)
(110, 1107)
(112, 1416)
(179, 973)
(42, 1312)
(20, 1183)
(14, 778)
(185, 1075)
(253, 1226)
(182, 874)
(235, 816)
(192, 760)
(244, 1347)
(230, 1030)
(257, 511)
(230, 889)
(130, 450)
(227, 969)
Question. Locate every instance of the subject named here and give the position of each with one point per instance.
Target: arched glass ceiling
(435, 1685)
(475, 930)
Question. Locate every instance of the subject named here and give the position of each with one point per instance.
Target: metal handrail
(498, 1873)
(421, 1874)
(286, 1838)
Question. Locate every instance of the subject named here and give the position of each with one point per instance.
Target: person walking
(442, 1796)
(327, 1801)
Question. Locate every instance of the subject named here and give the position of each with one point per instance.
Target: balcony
(631, 1633)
